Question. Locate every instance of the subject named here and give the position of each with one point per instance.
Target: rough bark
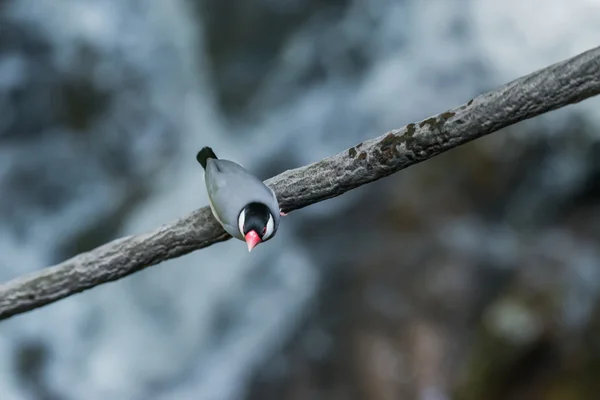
(556, 86)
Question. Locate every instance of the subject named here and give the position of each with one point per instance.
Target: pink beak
(252, 239)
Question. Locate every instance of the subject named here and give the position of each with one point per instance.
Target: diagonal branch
(556, 86)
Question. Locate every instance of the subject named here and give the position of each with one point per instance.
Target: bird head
(256, 224)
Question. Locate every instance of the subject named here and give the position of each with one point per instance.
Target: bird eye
(268, 230)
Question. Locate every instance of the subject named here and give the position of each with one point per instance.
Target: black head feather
(256, 218)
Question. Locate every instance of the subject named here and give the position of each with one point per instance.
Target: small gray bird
(246, 208)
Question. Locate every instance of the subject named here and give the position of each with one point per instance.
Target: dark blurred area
(474, 275)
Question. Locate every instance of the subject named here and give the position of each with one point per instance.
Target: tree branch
(556, 86)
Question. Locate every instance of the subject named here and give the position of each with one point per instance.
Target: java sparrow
(244, 206)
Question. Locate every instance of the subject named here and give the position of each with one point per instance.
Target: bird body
(245, 207)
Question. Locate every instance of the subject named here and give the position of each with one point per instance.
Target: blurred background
(474, 275)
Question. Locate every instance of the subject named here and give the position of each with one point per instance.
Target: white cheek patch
(241, 221)
(269, 227)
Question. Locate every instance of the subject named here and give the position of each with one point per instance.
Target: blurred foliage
(242, 46)
(421, 312)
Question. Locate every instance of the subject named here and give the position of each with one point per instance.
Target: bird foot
(282, 213)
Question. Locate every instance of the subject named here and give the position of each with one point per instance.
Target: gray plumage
(231, 188)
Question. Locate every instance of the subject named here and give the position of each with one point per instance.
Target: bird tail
(204, 154)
